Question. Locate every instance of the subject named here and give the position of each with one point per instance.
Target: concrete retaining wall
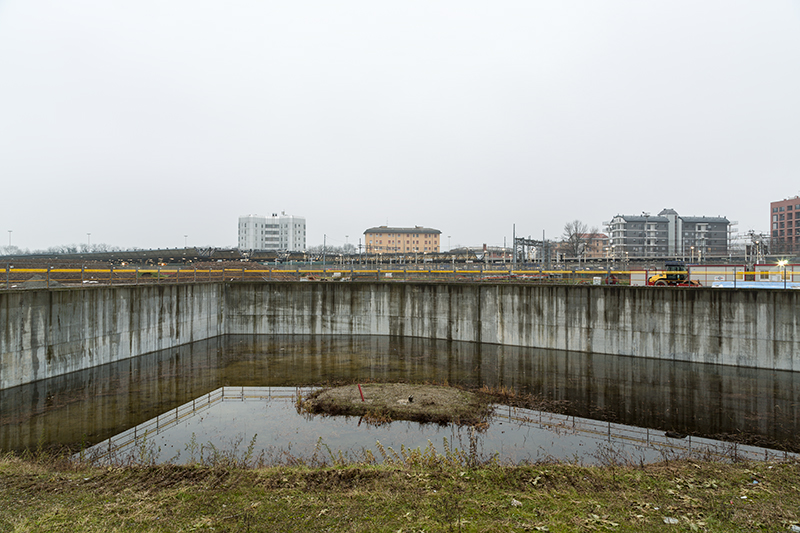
(52, 332)
(48, 333)
(754, 328)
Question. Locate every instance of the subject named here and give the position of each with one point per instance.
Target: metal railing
(121, 444)
(658, 440)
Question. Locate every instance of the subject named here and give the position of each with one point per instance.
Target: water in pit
(87, 407)
(257, 426)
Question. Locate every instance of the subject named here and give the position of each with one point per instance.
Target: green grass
(412, 491)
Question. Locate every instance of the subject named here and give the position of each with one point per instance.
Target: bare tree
(13, 250)
(576, 236)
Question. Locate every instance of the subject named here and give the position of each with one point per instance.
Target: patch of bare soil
(385, 402)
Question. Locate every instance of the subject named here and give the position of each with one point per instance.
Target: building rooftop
(660, 218)
(705, 219)
(388, 229)
(641, 218)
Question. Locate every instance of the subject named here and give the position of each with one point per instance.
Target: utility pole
(514, 242)
(545, 252)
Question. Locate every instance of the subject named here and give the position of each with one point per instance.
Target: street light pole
(782, 264)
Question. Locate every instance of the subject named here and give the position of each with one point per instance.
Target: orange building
(384, 239)
(594, 246)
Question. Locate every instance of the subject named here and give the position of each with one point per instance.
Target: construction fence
(54, 277)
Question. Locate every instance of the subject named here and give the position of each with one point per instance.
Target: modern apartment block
(784, 221)
(668, 235)
(278, 232)
(384, 239)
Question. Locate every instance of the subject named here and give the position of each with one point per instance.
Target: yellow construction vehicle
(675, 274)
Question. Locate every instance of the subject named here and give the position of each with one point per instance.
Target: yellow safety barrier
(57, 276)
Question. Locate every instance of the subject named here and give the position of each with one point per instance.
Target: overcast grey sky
(141, 122)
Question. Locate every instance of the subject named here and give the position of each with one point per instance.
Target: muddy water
(86, 407)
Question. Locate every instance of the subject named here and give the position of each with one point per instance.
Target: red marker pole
(362, 392)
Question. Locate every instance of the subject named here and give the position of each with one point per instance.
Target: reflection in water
(86, 407)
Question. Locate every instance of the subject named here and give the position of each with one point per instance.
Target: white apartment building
(277, 232)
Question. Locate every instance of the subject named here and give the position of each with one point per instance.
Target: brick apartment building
(784, 221)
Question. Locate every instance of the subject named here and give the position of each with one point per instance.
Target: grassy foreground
(414, 493)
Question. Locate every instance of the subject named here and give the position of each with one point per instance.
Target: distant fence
(708, 275)
(52, 277)
(17, 278)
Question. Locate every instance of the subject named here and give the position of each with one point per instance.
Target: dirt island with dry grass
(385, 402)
